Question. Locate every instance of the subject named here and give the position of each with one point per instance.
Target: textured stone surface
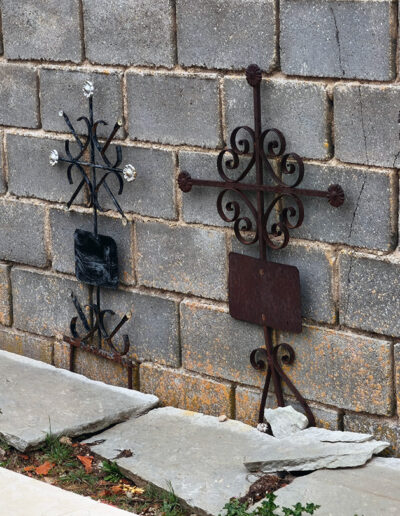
(152, 193)
(302, 453)
(378, 281)
(30, 390)
(367, 217)
(381, 428)
(63, 225)
(397, 374)
(315, 267)
(176, 258)
(18, 492)
(42, 303)
(62, 90)
(327, 436)
(187, 391)
(5, 295)
(299, 109)
(129, 32)
(27, 345)
(203, 457)
(247, 404)
(342, 369)
(366, 129)
(42, 29)
(285, 421)
(18, 96)
(22, 233)
(370, 490)
(2, 182)
(153, 328)
(173, 109)
(320, 39)
(38, 179)
(217, 25)
(215, 344)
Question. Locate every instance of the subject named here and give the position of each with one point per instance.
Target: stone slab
(201, 457)
(19, 492)
(36, 397)
(369, 491)
(307, 453)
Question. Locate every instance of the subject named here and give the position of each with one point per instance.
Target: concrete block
(129, 32)
(173, 109)
(27, 345)
(5, 296)
(218, 25)
(18, 96)
(182, 259)
(382, 429)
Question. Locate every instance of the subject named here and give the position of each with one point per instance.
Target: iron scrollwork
(87, 170)
(269, 225)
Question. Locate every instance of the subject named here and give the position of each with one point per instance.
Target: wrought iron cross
(95, 255)
(263, 292)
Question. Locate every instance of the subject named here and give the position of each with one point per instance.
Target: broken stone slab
(285, 421)
(331, 436)
(36, 398)
(370, 490)
(299, 454)
(201, 457)
(21, 495)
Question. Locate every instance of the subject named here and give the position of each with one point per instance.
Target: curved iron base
(261, 359)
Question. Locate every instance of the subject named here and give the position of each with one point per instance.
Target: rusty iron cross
(262, 292)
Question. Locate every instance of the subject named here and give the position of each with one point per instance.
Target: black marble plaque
(96, 259)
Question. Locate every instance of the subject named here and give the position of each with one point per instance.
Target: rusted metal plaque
(264, 293)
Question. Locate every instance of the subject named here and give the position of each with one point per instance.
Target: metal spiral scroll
(260, 360)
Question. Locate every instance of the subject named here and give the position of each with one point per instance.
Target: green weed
(268, 508)
(113, 472)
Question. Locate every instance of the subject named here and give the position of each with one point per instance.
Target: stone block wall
(173, 71)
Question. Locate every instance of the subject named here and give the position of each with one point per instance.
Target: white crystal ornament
(129, 173)
(53, 158)
(61, 113)
(88, 89)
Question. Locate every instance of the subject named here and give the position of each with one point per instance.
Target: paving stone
(327, 436)
(129, 32)
(63, 225)
(173, 109)
(319, 39)
(218, 26)
(22, 233)
(18, 492)
(201, 457)
(247, 406)
(378, 281)
(176, 258)
(315, 266)
(42, 302)
(62, 90)
(299, 109)
(182, 389)
(30, 390)
(27, 345)
(215, 344)
(152, 193)
(369, 490)
(42, 29)
(366, 219)
(383, 429)
(5, 295)
(301, 453)
(366, 130)
(342, 369)
(38, 179)
(18, 96)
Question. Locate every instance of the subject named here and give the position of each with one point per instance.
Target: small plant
(56, 451)
(171, 505)
(267, 508)
(4, 445)
(78, 476)
(113, 472)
